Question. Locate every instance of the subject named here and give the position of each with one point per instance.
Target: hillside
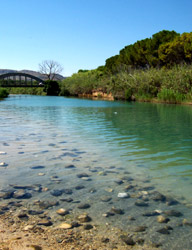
(34, 73)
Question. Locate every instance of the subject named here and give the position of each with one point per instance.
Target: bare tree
(50, 69)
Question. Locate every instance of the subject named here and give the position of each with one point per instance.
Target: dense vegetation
(156, 68)
(3, 93)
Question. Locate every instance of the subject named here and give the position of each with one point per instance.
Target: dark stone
(82, 175)
(148, 214)
(70, 166)
(66, 199)
(84, 206)
(140, 241)
(141, 203)
(37, 167)
(35, 212)
(20, 153)
(67, 191)
(79, 187)
(7, 194)
(57, 192)
(47, 204)
(119, 182)
(105, 198)
(158, 197)
(173, 213)
(128, 240)
(21, 194)
(129, 187)
(88, 226)
(108, 214)
(140, 229)
(75, 224)
(171, 202)
(117, 210)
(163, 231)
(22, 215)
(105, 240)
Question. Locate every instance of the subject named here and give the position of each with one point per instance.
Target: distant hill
(34, 73)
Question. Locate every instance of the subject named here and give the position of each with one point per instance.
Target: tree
(50, 69)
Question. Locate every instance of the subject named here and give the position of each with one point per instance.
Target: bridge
(19, 79)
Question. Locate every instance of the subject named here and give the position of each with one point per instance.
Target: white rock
(122, 195)
(2, 153)
(41, 174)
(3, 164)
(65, 226)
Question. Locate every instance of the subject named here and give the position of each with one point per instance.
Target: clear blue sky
(81, 34)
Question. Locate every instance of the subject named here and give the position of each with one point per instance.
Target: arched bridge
(19, 79)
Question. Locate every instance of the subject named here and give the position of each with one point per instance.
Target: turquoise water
(153, 142)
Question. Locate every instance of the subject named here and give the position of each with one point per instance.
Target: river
(48, 141)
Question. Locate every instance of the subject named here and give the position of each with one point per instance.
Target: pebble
(64, 225)
(140, 229)
(66, 199)
(41, 174)
(84, 218)
(88, 227)
(173, 213)
(162, 219)
(123, 195)
(82, 175)
(37, 167)
(109, 190)
(163, 231)
(2, 153)
(117, 210)
(105, 198)
(158, 197)
(67, 191)
(141, 203)
(84, 206)
(3, 164)
(57, 192)
(21, 194)
(119, 182)
(86, 178)
(70, 166)
(62, 211)
(79, 187)
(128, 240)
(45, 222)
(129, 187)
(28, 227)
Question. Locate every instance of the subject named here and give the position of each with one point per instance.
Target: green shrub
(170, 95)
(3, 93)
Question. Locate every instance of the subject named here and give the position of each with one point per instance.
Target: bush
(3, 93)
(169, 95)
(52, 88)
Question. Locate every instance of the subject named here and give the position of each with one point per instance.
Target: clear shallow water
(153, 142)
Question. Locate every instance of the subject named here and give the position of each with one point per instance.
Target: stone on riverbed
(64, 225)
(45, 222)
(84, 206)
(123, 195)
(3, 164)
(22, 194)
(173, 213)
(84, 218)
(162, 219)
(6, 194)
(57, 192)
(117, 210)
(88, 227)
(128, 240)
(82, 175)
(2, 153)
(62, 211)
(37, 167)
(105, 198)
(140, 203)
(140, 229)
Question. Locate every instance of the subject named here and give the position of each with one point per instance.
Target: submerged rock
(81, 175)
(141, 203)
(37, 167)
(117, 210)
(123, 195)
(173, 213)
(88, 227)
(162, 219)
(84, 218)
(3, 164)
(84, 206)
(128, 240)
(45, 222)
(56, 192)
(22, 194)
(140, 229)
(79, 187)
(64, 225)
(105, 198)
(62, 211)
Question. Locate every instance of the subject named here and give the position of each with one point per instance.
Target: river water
(117, 144)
